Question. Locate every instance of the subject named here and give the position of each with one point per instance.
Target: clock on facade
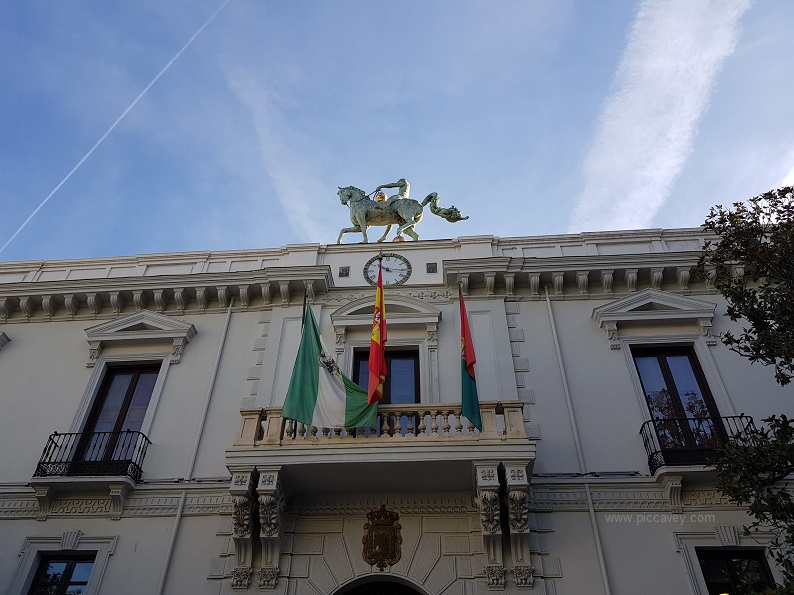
(396, 269)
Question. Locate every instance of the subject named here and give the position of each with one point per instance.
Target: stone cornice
(90, 298)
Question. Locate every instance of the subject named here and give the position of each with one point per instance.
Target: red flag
(377, 345)
(469, 397)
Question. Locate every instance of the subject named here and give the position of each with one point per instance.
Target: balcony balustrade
(94, 454)
(423, 447)
(690, 440)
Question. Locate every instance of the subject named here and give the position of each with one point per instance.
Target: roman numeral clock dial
(396, 269)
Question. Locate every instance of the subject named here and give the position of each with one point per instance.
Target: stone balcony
(421, 448)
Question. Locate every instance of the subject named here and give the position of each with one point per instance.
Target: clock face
(396, 269)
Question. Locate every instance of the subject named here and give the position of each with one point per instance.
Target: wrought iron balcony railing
(690, 440)
(94, 453)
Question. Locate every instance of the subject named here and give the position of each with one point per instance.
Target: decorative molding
(241, 577)
(495, 577)
(27, 305)
(283, 288)
(558, 281)
(631, 280)
(140, 327)
(582, 280)
(489, 511)
(202, 300)
(160, 300)
(268, 577)
(139, 299)
(728, 535)
(705, 331)
(180, 299)
(70, 539)
(223, 296)
(382, 538)
(44, 497)
(518, 510)
(71, 303)
(607, 278)
(523, 575)
(245, 295)
(510, 283)
(653, 307)
(241, 516)
(49, 305)
(672, 488)
(657, 276)
(682, 276)
(116, 302)
(490, 283)
(404, 504)
(534, 285)
(5, 308)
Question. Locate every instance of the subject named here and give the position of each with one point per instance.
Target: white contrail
(116, 123)
(647, 125)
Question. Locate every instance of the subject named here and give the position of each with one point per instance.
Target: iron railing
(691, 440)
(94, 453)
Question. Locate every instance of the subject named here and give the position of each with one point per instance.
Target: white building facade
(143, 449)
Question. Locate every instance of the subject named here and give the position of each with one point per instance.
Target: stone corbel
(49, 305)
(223, 296)
(71, 303)
(160, 300)
(558, 281)
(5, 308)
(283, 287)
(94, 349)
(490, 283)
(94, 303)
(518, 518)
(245, 295)
(139, 299)
(463, 279)
(265, 292)
(510, 283)
(607, 277)
(177, 349)
(631, 280)
(27, 305)
(657, 275)
(534, 285)
(44, 497)
(582, 280)
(612, 334)
(271, 507)
(682, 274)
(432, 335)
(672, 489)
(4, 340)
(242, 510)
(180, 299)
(201, 298)
(116, 302)
(705, 330)
(118, 494)
(309, 285)
(487, 478)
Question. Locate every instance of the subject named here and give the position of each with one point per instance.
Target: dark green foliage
(752, 264)
(753, 472)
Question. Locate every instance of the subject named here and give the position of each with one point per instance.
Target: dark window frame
(65, 582)
(360, 363)
(730, 555)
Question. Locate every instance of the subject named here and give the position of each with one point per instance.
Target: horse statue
(403, 212)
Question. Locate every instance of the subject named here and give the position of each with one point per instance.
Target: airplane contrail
(116, 123)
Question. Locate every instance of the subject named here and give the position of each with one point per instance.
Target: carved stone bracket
(70, 539)
(558, 281)
(489, 511)
(534, 285)
(270, 501)
(268, 577)
(612, 334)
(94, 349)
(223, 296)
(582, 279)
(705, 330)
(682, 275)
(284, 288)
(463, 279)
(139, 299)
(4, 340)
(241, 577)
(490, 283)
(523, 575)
(631, 280)
(44, 497)
(177, 349)
(241, 489)
(118, 494)
(510, 283)
(495, 577)
(432, 335)
(672, 489)
(518, 510)
(309, 286)
(607, 278)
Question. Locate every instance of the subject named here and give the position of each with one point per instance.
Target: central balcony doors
(120, 405)
(401, 387)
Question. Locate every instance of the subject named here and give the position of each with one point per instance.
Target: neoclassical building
(143, 448)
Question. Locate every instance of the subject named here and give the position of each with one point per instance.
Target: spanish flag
(377, 345)
(469, 398)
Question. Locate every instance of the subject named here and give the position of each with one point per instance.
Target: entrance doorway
(381, 588)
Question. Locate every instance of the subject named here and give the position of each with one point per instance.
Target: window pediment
(140, 327)
(651, 307)
(400, 310)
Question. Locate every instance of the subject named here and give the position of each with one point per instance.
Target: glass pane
(140, 401)
(363, 372)
(694, 404)
(76, 590)
(660, 402)
(403, 380)
(106, 420)
(82, 572)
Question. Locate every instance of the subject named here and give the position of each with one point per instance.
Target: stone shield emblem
(382, 538)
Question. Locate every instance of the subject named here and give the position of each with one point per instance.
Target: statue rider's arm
(399, 184)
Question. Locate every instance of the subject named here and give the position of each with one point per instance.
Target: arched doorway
(368, 586)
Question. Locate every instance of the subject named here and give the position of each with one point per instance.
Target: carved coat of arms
(382, 538)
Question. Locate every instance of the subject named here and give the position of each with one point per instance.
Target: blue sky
(532, 117)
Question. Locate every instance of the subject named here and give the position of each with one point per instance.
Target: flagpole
(303, 313)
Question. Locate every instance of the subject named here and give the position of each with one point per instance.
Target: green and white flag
(319, 394)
